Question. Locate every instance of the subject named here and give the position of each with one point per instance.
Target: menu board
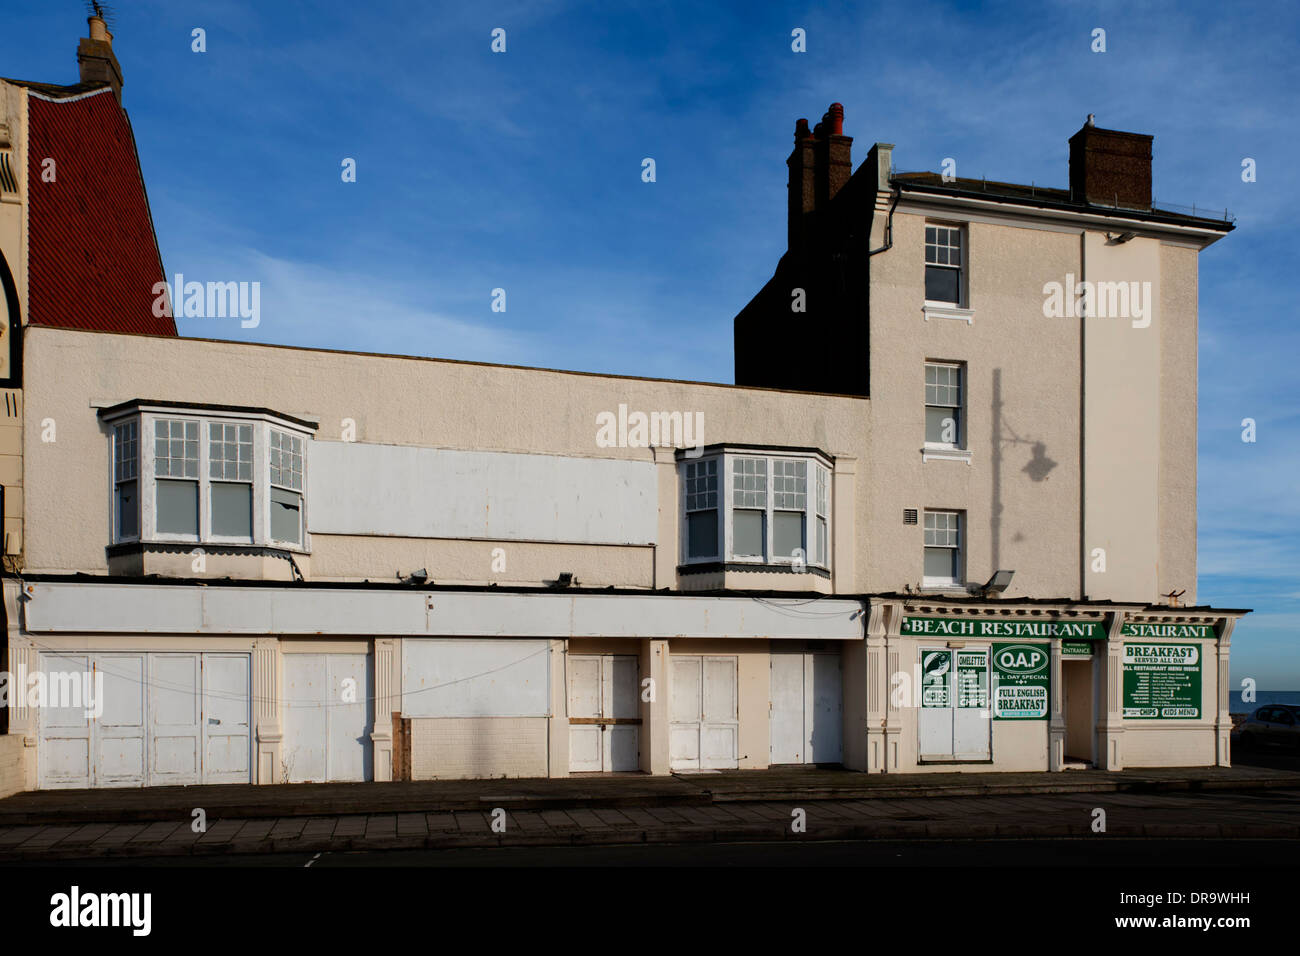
(1162, 681)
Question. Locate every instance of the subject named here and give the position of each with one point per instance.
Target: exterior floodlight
(1000, 581)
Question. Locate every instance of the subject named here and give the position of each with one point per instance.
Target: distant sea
(1262, 698)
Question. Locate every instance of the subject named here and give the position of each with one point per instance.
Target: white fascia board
(114, 608)
(1009, 212)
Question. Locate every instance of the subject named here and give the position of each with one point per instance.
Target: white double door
(328, 717)
(604, 713)
(704, 728)
(954, 722)
(807, 717)
(158, 719)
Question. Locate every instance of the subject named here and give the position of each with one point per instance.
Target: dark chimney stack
(820, 165)
(1110, 168)
(95, 56)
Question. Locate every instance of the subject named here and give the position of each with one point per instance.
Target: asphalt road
(1100, 851)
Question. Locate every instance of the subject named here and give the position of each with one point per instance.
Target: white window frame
(945, 451)
(962, 305)
(813, 509)
(718, 507)
(146, 484)
(205, 488)
(136, 479)
(301, 492)
(958, 582)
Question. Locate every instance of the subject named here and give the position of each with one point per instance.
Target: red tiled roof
(92, 257)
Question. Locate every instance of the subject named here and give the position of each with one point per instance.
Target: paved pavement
(1226, 814)
(604, 791)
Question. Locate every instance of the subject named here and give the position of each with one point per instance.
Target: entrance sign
(1076, 648)
(1162, 681)
(1021, 681)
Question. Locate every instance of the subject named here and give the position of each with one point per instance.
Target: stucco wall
(1122, 440)
(1021, 489)
(479, 407)
(1178, 421)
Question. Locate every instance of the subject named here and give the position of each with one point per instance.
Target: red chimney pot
(835, 118)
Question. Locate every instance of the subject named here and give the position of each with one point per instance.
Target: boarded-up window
(454, 677)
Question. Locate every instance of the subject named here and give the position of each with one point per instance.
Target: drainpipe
(889, 225)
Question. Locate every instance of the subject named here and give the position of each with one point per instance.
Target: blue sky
(522, 170)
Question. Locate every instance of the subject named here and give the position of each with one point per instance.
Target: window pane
(176, 448)
(941, 284)
(286, 516)
(747, 534)
(939, 420)
(702, 485)
(126, 452)
(941, 563)
(749, 482)
(232, 510)
(787, 530)
(821, 540)
(227, 449)
(286, 460)
(790, 484)
(178, 507)
(128, 511)
(702, 534)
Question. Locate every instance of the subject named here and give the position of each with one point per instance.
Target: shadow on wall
(1038, 467)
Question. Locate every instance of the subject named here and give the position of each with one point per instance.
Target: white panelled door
(704, 726)
(65, 732)
(807, 723)
(604, 713)
(327, 717)
(225, 718)
(953, 721)
(161, 719)
(177, 719)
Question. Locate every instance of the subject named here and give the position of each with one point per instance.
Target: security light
(419, 577)
(1000, 581)
(564, 580)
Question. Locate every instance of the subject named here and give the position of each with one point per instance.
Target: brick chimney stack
(820, 165)
(1110, 168)
(95, 56)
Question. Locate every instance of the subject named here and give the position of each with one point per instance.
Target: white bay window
(207, 476)
(757, 508)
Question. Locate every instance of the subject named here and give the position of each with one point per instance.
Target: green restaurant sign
(1202, 631)
(972, 627)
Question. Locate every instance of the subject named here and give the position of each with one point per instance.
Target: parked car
(1273, 726)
